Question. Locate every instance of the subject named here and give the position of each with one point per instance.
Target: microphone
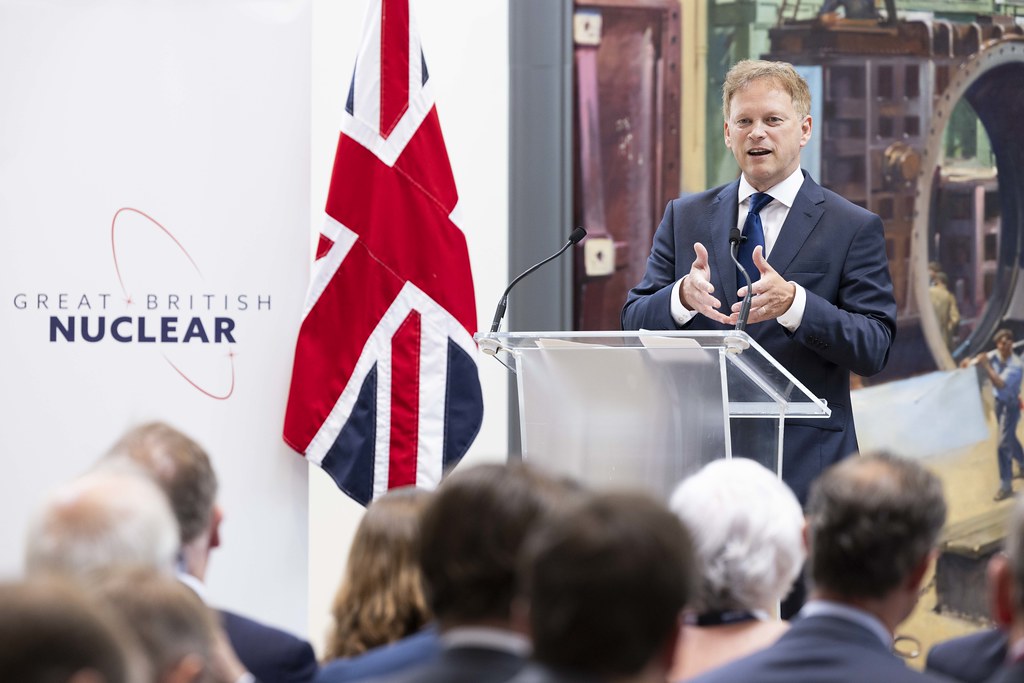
(499, 312)
(734, 244)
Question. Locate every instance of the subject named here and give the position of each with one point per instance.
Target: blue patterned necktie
(753, 231)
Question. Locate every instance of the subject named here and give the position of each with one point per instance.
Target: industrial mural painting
(916, 108)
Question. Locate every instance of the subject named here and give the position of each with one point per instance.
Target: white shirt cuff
(680, 313)
(246, 678)
(792, 318)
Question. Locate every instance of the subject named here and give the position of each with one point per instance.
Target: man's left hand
(772, 295)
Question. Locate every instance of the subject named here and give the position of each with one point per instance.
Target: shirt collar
(491, 638)
(827, 608)
(784, 193)
(192, 582)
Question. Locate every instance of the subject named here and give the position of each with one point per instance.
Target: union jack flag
(385, 390)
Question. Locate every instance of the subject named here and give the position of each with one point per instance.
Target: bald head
(103, 519)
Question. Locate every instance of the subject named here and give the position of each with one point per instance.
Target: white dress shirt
(772, 218)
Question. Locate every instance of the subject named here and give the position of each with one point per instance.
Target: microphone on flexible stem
(734, 243)
(499, 312)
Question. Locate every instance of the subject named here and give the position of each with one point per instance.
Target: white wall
(182, 110)
(465, 43)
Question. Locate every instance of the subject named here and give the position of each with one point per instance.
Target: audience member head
(873, 522)
(472, 531)
(380, 599)
(1006, 576)
(747, 530)
(183, 470)
(175, 630)
(746, 71)
(606, 581)
(52, 632)
(103, 519)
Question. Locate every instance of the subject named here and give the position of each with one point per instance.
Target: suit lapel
(720, 219)
(807, 210)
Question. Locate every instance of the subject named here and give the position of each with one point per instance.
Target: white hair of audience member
(747, 527)
(100, 520)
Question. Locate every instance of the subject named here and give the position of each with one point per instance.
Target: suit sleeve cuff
(792, 318)
(679, 312)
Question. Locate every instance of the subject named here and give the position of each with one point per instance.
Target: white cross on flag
(385, 390)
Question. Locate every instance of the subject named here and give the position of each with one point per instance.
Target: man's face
(765, 133)
(1004, 346)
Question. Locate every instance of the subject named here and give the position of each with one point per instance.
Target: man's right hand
(696, 291)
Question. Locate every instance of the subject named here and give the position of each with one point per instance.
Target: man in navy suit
(183, 470)
(969, 659)
(472, 532)
(822, 301)
(872, 525)
(605, 584)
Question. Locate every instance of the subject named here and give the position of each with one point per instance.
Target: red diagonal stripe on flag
(394, 64)
(357, 368)
(362, 197)
(405, 402)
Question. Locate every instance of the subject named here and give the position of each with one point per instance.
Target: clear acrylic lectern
(645, 409)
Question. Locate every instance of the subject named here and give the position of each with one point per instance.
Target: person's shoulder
(704, 197)
(269, 653)
(386, 660)
(973, 657)
(538, 673)
(837, 202)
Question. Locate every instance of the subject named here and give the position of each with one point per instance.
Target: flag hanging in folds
(385, 390)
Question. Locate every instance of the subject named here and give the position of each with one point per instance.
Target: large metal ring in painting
(992, 82)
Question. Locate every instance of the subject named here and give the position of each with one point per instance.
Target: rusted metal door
(627, 145)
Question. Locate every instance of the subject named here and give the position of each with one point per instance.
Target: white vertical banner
(154, 232)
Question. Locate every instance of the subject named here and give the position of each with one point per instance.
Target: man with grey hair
(184, 471)
(872, 525)
(100, 519)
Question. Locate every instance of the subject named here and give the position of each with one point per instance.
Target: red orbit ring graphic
(128, 297)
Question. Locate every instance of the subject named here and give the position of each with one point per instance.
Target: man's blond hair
(782, 73)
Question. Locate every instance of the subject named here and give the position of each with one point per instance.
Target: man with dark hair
(1004, 370)
(472, 532)
(605, 583)
(183, 469)
(947, 313)
(872, 525)
(52, 632)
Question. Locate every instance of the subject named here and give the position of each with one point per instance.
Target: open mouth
(758, 152)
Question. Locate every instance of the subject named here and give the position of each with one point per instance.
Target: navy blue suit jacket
(831, 247)
(820, 649)
(463, 664)
(1011, 673)
(415, 650)
(972, 658)
(269, 654)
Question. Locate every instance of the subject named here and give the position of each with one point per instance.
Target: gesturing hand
(696, 291)
(772, 294)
